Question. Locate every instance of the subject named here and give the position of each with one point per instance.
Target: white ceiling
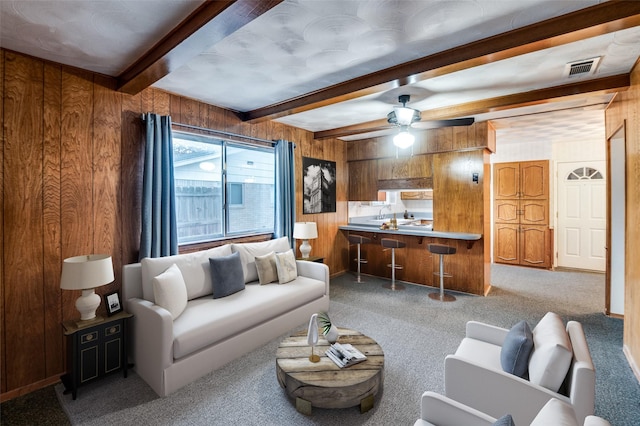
(301, 46)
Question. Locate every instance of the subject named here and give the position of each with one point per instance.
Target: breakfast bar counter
(468, 267)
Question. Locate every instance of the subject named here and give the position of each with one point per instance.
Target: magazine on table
(344, 355)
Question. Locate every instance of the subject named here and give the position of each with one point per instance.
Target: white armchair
(438, 410)
(474, 376)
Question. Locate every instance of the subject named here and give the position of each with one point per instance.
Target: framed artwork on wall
(319, 182)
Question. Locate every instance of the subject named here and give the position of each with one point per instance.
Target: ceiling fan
(404, 117)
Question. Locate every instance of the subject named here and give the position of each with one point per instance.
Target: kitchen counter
(411, 230)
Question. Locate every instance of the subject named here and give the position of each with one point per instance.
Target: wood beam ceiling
(535, 97)
(593, 21)
(206, 26)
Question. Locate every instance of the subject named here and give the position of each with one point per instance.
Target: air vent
(583, 67)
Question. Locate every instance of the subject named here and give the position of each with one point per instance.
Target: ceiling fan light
(405, 116)
(404, 139)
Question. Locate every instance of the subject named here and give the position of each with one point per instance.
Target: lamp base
(305, 248)
(88, 323)
(87, 304)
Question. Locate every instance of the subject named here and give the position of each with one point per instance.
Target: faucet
(386, 206)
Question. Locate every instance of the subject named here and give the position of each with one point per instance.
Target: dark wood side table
(312, 259)
(94, 350)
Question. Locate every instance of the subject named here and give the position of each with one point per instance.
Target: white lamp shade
(305, 230)
(85, 272)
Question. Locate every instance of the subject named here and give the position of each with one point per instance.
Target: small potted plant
(329, 330)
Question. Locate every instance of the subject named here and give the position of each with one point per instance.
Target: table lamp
(305, 231)
(86, 273)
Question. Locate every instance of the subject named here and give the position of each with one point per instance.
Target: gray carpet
(415, 332)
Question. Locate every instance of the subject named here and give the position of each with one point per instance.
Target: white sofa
(209, 333)
(474, 375)
(438, 410)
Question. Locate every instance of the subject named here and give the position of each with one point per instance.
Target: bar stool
(392, 244)
(441, 251)
(359, 240)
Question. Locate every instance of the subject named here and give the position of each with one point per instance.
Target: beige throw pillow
(170, 291)
(267, 269)
(286, 266)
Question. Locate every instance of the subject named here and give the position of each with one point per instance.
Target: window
(208, 171)
(583, 173)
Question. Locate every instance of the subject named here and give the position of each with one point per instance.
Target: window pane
(197, 167)
(251, 189)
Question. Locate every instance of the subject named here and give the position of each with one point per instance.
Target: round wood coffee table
(324, 384)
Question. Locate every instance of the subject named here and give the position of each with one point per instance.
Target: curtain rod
(221, 132)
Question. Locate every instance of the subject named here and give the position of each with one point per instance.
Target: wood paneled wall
(626, 110)
(71, 156)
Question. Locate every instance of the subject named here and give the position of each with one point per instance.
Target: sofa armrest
(486, 333)
(595, 421)
(316, 270)
(494, 392)
(443, 411)
(152, 341)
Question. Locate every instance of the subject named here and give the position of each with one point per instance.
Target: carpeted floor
(415, 332)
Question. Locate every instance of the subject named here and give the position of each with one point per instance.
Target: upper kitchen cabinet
(405, 172)
(529, 179)
(363, 180)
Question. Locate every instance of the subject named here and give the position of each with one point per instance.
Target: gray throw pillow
(516, 350)
(226, 275)
(505, 420)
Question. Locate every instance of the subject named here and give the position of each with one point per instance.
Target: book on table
(344, 355)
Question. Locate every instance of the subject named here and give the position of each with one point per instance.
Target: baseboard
(631, 361)
(29, 388)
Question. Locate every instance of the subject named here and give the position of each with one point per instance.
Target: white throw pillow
(552, 353)
(286, 265)
(267, 269)
(249, 251)
(170, 291)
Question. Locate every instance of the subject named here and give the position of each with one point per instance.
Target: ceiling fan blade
(436, 124)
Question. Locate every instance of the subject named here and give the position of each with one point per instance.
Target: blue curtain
(285, 190)
(159, 235)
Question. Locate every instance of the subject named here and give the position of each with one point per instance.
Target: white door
(582, 215)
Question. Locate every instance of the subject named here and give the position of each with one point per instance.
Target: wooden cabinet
(363, 176)
(521, 214)
(95, 351)
(416, 195)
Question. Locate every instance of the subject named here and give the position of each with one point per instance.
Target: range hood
(410, 184)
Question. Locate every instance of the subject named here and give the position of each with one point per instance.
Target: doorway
(616, 236)
(582, 209)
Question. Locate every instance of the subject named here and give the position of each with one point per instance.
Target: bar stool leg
(393, 286)
(442, 296)
(359, 261)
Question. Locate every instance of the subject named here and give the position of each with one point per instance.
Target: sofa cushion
(505, 420)
(552, 353)
(516, 349)
(227, 275)
(248, 252)
(557, 413)
(194, 267)
(207, 320)
(286, 266)
(170, 291)
(266, 266)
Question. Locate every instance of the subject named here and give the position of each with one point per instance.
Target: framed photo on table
(112, 300)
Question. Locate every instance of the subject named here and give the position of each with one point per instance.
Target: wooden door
(535, 246)
(506, 180)
(534, 212)
(506, 243)
(534, 179)
(506, 211)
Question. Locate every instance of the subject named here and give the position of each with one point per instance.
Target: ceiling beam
(207, 25)
(593, 21)
(598, 86)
